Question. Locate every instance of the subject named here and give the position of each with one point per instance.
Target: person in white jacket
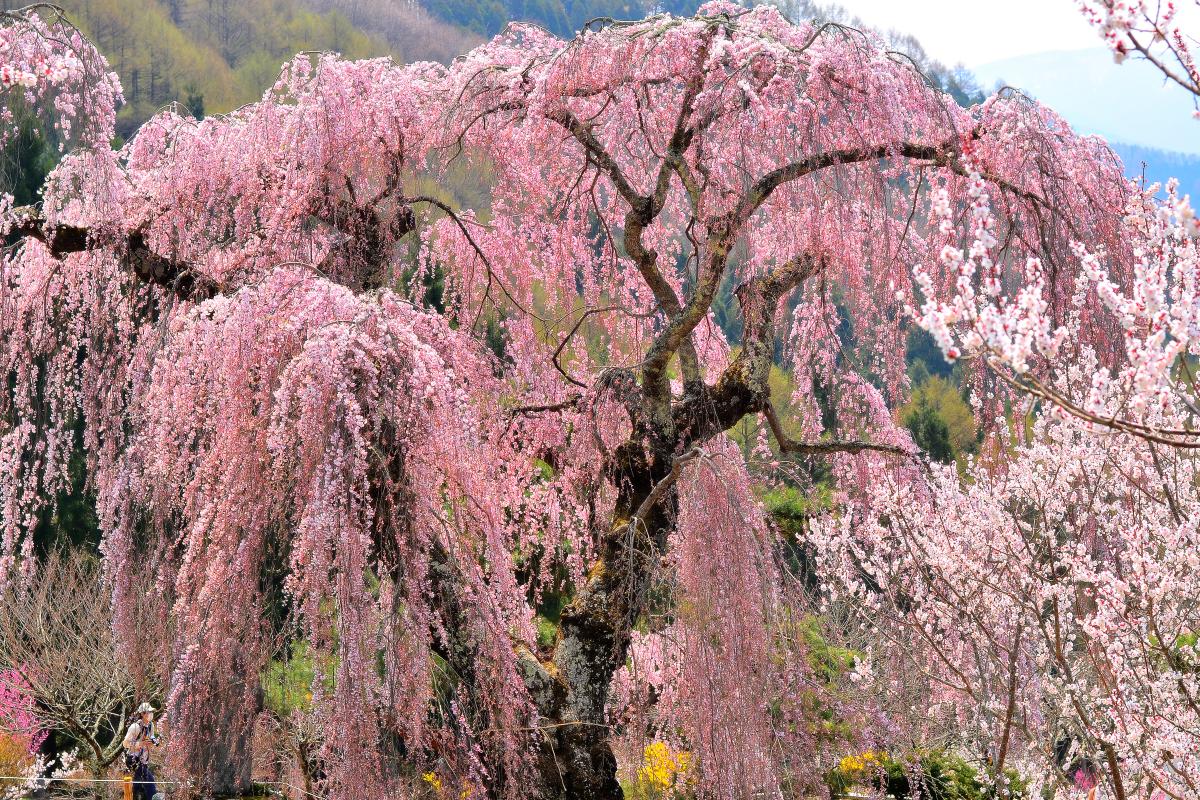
(139, 740)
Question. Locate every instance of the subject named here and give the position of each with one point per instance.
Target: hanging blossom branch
(790, 446)
(147, 265)
(47, 63)
(1149, 30)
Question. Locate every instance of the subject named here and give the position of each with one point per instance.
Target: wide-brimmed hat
(145, 708)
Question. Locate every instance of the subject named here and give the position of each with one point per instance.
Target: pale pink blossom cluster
(41, 773)
(1153, 32)
(1015, 328)
(1048, 604)
(53, 72)
(1133, 313)
(287, 423)
(1116, 19)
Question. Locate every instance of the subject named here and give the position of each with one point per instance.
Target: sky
(1048, 49)
(976, 32)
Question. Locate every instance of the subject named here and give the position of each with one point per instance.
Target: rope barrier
(26, 779)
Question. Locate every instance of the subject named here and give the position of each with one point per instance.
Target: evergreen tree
(930, 431)
(25, 159)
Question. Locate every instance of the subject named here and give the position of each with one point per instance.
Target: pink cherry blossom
(326, 391)
(18, 714)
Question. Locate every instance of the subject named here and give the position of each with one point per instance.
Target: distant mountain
(1160, 165)
(412, 32)
(1147, 121)
(560, 17)
(1127, 102)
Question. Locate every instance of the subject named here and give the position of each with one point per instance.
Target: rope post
(127, 786)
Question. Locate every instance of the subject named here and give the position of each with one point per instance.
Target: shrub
(16, 758)
(926, 774)
(18, 719)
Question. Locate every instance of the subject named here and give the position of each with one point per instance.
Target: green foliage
(288, 682)
(941, 422)
(926, 774)
(560, 17)
(929, 430)
(485, 17)
(925, 357)
(71, 521)
(817, 708)
(26, 158)
(791, 509)
(828, 661)
(547, 632)
(550, 605)
(209, 55)
(1182, 654)
(193, 101)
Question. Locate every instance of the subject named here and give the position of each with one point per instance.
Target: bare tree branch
(56, 633)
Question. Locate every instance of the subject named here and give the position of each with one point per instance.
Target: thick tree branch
(723, 232)
(742, 388)
(573, 402)
(661, 488)
(367, 233)
(792, 447)
(149, 266)
(946, 155)
(762, 189)
(583, 134)
(644, 209)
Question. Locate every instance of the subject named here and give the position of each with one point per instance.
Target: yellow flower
(433, 780)
(869, 759)
(850, 764)
(663, 770)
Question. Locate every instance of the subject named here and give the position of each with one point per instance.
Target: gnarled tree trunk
(595, 630)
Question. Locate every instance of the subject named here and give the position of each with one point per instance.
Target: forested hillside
(562, 17)
(212, 55)
(411, 32)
